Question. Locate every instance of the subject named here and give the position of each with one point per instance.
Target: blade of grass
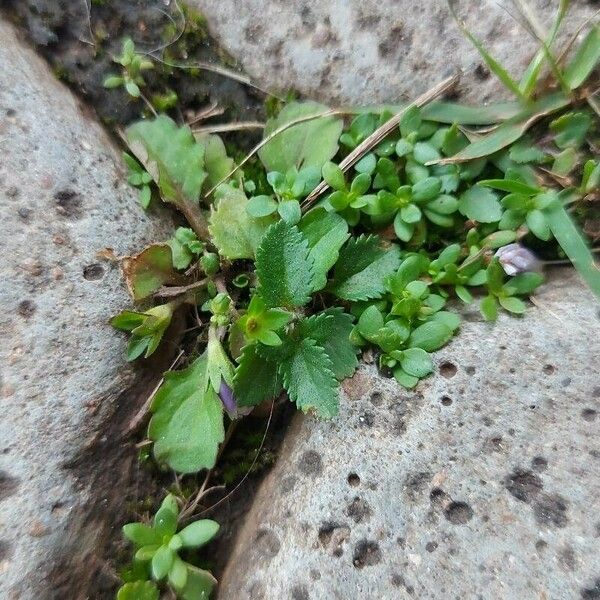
(494, 66)
(507, 133)
(572, 242)
(530, 78)
(585, 60)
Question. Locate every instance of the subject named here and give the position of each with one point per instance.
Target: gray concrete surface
(63, 198)
(362, 51)
(483, 483)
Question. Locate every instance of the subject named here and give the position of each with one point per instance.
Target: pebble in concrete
(481, 483)
(63, 198)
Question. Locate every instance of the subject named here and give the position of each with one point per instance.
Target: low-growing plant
(287, 287)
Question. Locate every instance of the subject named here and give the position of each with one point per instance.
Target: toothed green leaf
(256, 379)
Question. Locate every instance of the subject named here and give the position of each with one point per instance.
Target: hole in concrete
(549, 369)
(523, 485)
(448, 370)
(8, 485)
(358, 510)
(431, 546)
(446, 400)
(551, 510)
(539, 463)
(353, 480)
(366, 554)
(470, 370)
(26, 308)
(93, 272)
(300, 592)
(376, 398)
(458, 513)
(589, 414)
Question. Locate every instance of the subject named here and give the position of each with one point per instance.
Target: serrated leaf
(187, 421)
(362, 268)
(571, 129)
(256, 379)
(176, 162)
(308, 144)
(480, 204)
(146, 272)
(234, 232)
(325, 233)
(309, 380)
(284, 266)
(331, 329)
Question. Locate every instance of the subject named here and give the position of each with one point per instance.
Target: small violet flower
(515, 258)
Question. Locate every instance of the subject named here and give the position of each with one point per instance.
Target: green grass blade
(567, 234)
(585, 60)
(451, 112)
(530, 77)
(495, 67)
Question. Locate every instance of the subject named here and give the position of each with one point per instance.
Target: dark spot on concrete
(12, 191)
(4, 551)
(315, 575)
(470, 370)
(392, 41)
(366, 554)
(8, 485)
(567, 558)
(458, 513)
(93, 272)
(446, 400)
(26, 308)
(68, 204)
(416, 483)
(431, 546)
(366, 419)
(549, 369)
(288, 483)
(541, 545)
(397, 580)
(566, 382)
(332, 536)
(358, 510)
(353, 480)
(493, 444)
(539, 463)
(11, 112)
(589, 414)
(523, 485)
(551, 510)
(438, 496)
(300, 592)
(448, 370)
(24, 213)
(596, 392)
(376, 398)
(267, 543)
(368, 21)
(593, 592)
(310, 463)
(482, 72)
(399, 425)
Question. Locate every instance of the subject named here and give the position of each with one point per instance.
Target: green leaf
(524, 283)
(216, 162)
(512, 304)
(571, 129)
(404, 231)
(138, 590)
(199, 584)
(185, 246)
(161, 562)
(132, 89)
(334, 176)
(127, 320)
(585, 60)
(416, 362)
(480, 204)
(450, 319)
(198, 533)
(370, 322)
(165, 519)
(489, 308)
(141, 534)
(331, 330)
(311, 143)
(309, 379)
(113, 81)
(146, 272)
(430, 336)
(178, 574)
(284, 267)
(234, 232)
(187, 422)
(523, 152)
(510, 185)
(363, 267)
(464, 294)
(404, 379)
(565, 161)
(450, 112)
(325, 233)
(176, 162)
(538, 225)
(261, 206)
(255, 379)
(145, 553)
(572, 242)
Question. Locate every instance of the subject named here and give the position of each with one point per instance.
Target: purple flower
(515, 258)
(228, 399)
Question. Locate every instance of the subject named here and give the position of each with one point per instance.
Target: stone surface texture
(63, 198)
(361, 51)
(482, 483)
